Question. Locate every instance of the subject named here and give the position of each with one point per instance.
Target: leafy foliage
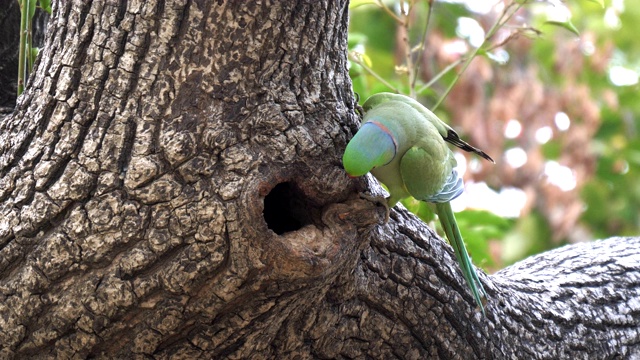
(27, 52)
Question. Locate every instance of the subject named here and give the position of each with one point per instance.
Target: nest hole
(286, 209)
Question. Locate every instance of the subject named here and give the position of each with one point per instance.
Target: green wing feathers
(447, 133)
(422, 174)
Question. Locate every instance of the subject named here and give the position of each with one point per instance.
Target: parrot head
(371, 147)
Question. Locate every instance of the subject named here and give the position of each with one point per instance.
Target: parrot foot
(378, 200)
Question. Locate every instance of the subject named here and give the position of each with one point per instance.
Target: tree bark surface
(171, 187)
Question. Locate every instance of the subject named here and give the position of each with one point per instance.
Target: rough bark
(171, 187)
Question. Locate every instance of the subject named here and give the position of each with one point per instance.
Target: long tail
(448, 221)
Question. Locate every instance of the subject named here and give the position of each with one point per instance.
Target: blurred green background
(552, 96)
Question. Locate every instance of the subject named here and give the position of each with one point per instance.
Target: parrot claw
(378, 200)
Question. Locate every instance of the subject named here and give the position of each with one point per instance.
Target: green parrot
(402, 144)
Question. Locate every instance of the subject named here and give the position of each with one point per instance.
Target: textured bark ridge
(171, 187)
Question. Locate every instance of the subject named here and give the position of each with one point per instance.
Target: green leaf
(564, 24)
(356, 38)
(32, 7)
(425, 212)
(46, 6)
(483, 218)
(356, 3)
(479, 228)
(552, 150)
(366, 60)
(428, 91)
(34, 52)
(599, 2)
(532, 235)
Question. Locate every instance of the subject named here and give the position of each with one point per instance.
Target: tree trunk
(171, 187)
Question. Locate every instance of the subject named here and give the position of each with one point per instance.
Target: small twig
(441, 74)
(407, 46)
(515, 34)
(24, 15)
(423, 44)
(356, 60)
(389, 11)
(490, 34)
(29, 46)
